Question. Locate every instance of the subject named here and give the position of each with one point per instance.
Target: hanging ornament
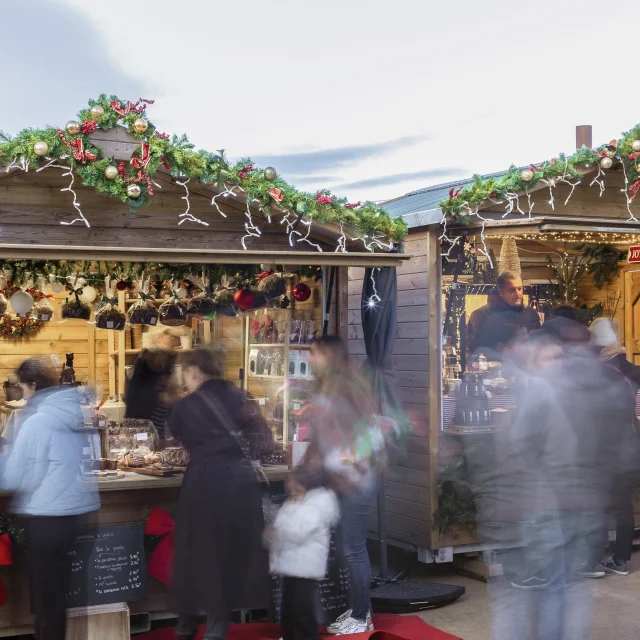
(244, 299)
(111, 172)
(122, 285)
(96, 112)
(606, 163)
(133, 190)
(270, 173)
(509, 258)
(301, 292)
(41, 148)
(89, 294)
(21, 302)
(173, 313)
(526, 175)
(140, 125)
(72, 127)
(271, 285)
(635, 145)
(57, 287)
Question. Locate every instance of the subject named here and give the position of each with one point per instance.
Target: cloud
(309, 163)
(48, 79)
(398, 178)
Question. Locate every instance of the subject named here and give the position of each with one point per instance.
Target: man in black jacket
(507, 309)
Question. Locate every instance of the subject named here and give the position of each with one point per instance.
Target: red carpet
(388, 627)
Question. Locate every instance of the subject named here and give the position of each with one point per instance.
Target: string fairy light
(250, 227)
(632, 218)
(67, 171)
(187, 216)
(342, 241)
(374, 299)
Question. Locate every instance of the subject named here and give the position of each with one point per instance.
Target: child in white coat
(300, 550)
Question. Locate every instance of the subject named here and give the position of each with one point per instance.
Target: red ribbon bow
(265, 274)
(276, 194)
(454, 194)
(245, 171)
(160, 523)
(145, 158)
(123, 111)
(76, 147)
(633, 156)
(353, 205)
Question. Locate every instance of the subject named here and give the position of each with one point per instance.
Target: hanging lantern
(21, 302)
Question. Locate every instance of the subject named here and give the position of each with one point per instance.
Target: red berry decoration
(244, 299)
(302, 292)
(122, 285)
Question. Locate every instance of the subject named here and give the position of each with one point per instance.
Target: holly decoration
(301, 292)
(15, 328)
(178, 155)
(244, 299)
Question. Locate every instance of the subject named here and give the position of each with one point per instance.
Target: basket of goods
(144, 311)
(271, 284)
(108, 316)
(173, 313)
(74, 308)
(202, 305)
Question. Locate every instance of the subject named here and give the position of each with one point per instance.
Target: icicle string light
(67, 171)
(374, 299)
(187, 216)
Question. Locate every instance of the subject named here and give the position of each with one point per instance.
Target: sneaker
(530, 584)
(611, 566)
(351, 626)
(585, 571)
(334, 626)
(335, 629)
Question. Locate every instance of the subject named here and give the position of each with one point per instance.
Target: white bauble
(89, 294)
(21, 302)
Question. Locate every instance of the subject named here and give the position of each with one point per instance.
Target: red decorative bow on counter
(76, 146)
(160, 523)
(135, 107)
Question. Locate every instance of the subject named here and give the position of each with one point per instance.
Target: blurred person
(567, 311)
(614, 356)
(220, 563)
(300, 549)
(44, 470)
(508, 307)
(341, 407)
(150, 392)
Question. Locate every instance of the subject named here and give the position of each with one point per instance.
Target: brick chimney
(584, 136)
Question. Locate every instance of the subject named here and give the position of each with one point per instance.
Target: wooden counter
(129, 499)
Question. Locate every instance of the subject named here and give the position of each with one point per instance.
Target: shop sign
(634, 254)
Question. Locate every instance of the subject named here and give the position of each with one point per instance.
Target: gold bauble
(72, 127)
(96, 111)
(41, 148)
(638, 167)
(270, 173)
(140, 125)
(606, 163)
(111, 172)
(526, 175)
(133, 191)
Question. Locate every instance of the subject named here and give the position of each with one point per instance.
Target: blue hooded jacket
(44, 466)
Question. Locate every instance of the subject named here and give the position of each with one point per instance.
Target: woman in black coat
(220, 563)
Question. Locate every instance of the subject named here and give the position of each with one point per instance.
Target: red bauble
(302, 292)
(244, 299)
(122, 285)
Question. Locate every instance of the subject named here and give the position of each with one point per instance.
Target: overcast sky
(371, 99)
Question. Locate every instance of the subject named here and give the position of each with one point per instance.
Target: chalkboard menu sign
(333, 590)
(107, 565)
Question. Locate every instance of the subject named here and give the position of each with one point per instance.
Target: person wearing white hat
(612, 354)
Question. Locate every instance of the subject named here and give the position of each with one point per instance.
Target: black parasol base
(410, 596)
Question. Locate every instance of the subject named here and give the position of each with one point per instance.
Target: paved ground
(617, 606)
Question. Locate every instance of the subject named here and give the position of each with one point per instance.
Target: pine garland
(456, 206)
(178, 154)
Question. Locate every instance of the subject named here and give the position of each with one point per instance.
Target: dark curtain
(379, 326)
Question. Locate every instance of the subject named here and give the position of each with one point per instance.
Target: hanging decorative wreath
(16, 328)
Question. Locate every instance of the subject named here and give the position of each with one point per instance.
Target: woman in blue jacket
(44, 470)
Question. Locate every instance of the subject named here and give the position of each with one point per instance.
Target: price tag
(262, 401)
(142, 436)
